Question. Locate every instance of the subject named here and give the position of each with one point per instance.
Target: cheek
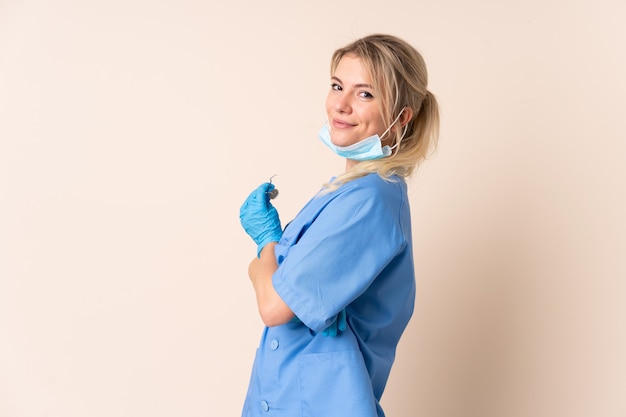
(377, 121)
(370, 118)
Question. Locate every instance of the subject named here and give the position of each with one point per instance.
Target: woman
(336, 288)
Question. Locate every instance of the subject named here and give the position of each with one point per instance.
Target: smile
(339, 124)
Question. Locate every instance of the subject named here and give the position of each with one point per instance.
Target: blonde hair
(399, 76)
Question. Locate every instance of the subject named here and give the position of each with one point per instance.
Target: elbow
(275, 315)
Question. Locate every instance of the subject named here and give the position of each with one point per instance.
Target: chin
(342, 141)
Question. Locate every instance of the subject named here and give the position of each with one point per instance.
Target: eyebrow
(355, 85)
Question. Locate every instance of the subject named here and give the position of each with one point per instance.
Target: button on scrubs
(346, 249)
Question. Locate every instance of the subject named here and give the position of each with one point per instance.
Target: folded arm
(273, 310)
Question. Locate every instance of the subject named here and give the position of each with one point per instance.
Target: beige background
(131, 131)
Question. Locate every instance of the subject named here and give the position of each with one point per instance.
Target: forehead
(351, 70)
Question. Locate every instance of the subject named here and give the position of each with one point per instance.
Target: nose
(342, 104)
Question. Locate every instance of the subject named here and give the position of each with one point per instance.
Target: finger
(261, 194)
(331, 331)
(341, 320)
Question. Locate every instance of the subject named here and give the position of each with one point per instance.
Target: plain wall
(131, 131)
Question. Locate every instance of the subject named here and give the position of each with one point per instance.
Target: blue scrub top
(348, 249)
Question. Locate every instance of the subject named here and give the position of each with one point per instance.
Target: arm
(273, 310)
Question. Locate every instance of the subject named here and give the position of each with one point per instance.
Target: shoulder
(369, 196)
(374, 187)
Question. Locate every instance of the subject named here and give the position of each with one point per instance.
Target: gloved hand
(338, 325)
(259, 217)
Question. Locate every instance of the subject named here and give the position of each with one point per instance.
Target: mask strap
(406, 126)
(391, 125)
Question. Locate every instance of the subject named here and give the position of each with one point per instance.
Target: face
(352, 104)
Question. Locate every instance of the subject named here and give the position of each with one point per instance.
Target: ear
(407, 115)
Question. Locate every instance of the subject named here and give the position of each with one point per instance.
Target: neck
(351, 163)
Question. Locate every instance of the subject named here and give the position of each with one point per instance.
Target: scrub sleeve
(351, 238)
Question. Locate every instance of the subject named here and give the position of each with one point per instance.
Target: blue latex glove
(259, 218)
(338, 325)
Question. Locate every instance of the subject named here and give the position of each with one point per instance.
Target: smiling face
(352, 105)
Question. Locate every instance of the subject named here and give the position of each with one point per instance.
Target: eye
(336, 87)
(366, 95)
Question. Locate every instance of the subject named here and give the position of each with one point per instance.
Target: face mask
(367, 149)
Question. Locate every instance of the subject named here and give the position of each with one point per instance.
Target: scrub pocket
(335, 384)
